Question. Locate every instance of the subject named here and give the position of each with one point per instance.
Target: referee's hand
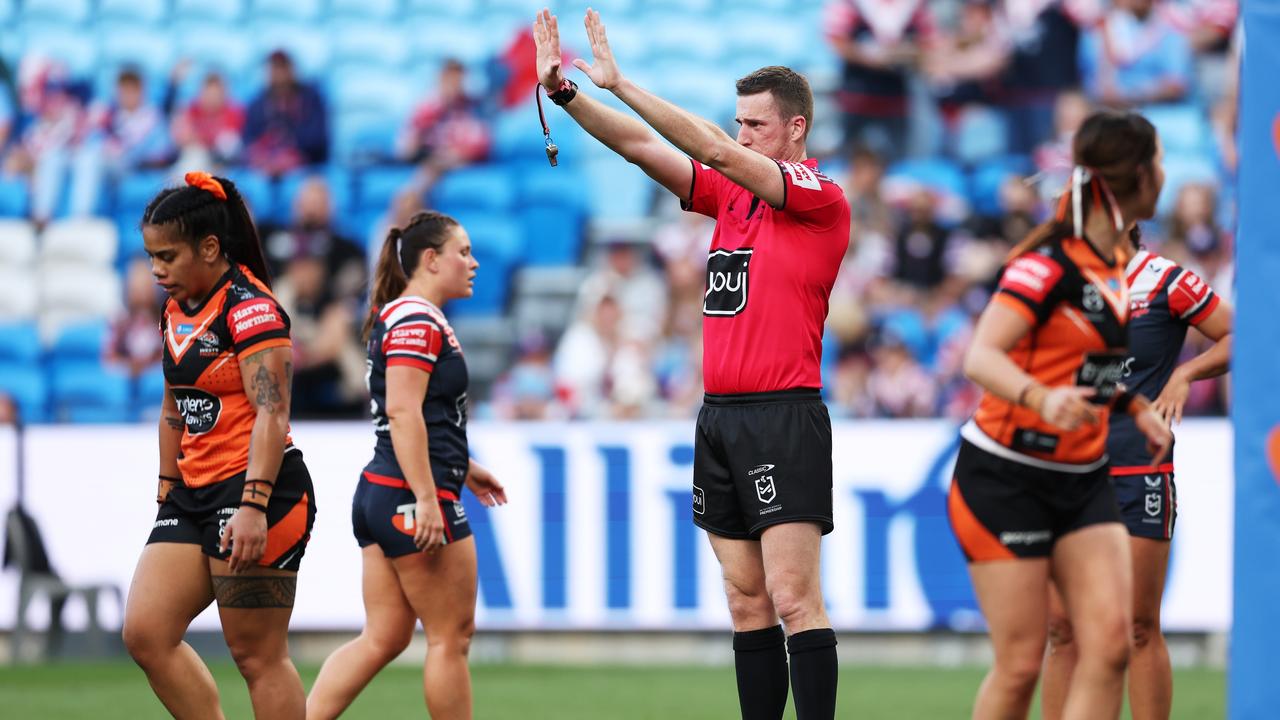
(546, 38)
(604, 73)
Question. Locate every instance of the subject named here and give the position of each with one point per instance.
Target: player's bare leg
(441, 587)
(255, 608)
(1011, 594)
(388, 628)
(760, 654)
(1150, 674)
(170, 588)
(1092, 569)
(1059, 661)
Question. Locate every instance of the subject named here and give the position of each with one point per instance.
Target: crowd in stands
(950, 125)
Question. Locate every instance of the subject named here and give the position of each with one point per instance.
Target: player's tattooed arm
(255, 591)
(268, 376)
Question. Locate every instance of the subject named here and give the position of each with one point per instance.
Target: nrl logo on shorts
(1153, 504)
(765, 490)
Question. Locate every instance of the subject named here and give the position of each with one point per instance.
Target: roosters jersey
(1164, 300)
(769, 278)
(1077, 304)
(202, 351)
(412, 332)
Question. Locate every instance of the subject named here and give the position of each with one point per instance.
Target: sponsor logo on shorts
(459, 512)
(765, 490)
(1153, 504)
(1032, 537)
(1153, 481)
(759, 469)
(167, 522)
(405, 519)
(699, 501)
(726, 292)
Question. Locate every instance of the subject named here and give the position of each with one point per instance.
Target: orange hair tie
(205, 181)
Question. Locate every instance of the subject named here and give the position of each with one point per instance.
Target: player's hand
(486, 487)
(246, 535)
(1156, 429)
(546, 38)
(604, 73)
(428, 524)
(1068, 407)
(1172, 399)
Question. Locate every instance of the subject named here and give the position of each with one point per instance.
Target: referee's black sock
(760, 659)
(814, 673)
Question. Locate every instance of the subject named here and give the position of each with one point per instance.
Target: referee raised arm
(762, 467)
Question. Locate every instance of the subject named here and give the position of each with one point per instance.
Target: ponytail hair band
(206, 182)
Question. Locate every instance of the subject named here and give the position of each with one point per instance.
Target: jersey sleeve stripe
(265, 345)
(1207, 306)
(394, 361)
(412, 353)
(1138, 270)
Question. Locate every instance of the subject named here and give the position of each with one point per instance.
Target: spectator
(897, 385)
(312, 234)
(1053, 157)
(920, 251)
(585, 353)
(54, 128)
(404, 205)
(9, 414)
(880, 42)
(287, 124)
(527, 390)
(1045, 36)
(328, 362)
(133, 342)
(446, 131)
(1136, 57)
(962, 68)
(125, 135)
(627, 276)
(207, 132)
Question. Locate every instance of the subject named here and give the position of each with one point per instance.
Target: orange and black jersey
(1077, 304)
(202, 347)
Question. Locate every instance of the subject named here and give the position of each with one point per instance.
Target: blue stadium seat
(136, 189)
(25, 383)
(617, 189)
(1180, 169)
(223, 48)
(475, 189)
(338, 179)
(434, 8)
(8, 9)
(14, 197)
(364, 137)
(366, 9)
(986, 180)
(370, 87)
(1183, 128)
(375, 43)
(259, 194)
(767, 38)
(78, 51)
(295, 11)
(553, 233)
(223, 11)
(86, 391)
(936, 173)
(695, 40)
(19, 342)
(308, 46)
(80, 341)
(435, 39)
(67, 12)
(148, 49)
(376, 186)
(136, 11)
(699, 6)
(148, 391)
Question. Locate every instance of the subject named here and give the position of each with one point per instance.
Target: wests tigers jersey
(1078, 305)
(202, 350)
(412, 332)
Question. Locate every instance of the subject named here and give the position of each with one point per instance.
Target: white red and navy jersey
(203, 346)
(1164, 300)
(412, 332)
(769, 278)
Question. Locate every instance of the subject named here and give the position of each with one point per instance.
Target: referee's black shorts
(762, 459)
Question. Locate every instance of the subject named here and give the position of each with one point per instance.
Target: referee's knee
(798, 602)
(749, 606)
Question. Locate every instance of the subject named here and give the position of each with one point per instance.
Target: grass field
(119, 690)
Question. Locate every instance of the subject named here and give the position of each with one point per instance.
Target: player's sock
(814, 673)
(760, 659)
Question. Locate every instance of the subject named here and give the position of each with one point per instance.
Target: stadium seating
(19, 292)
(74, 49)
(148, 392)
(134, 11)
(372, 42)
(87, 242)
(385, 10)
(289, 10)
(224, 11)
(128, 43)
(70, 12)
(83, 391)
(14, 197)
(17, 243)
(488, 189)
(19, 343)
(26, 384)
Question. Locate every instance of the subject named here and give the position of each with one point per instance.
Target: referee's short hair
(790, 90)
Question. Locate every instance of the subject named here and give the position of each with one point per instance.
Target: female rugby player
(1031, 499)
(236, 502)
(1164, 300)
(418, 554)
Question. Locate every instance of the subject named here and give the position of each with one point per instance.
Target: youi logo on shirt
(727, 272)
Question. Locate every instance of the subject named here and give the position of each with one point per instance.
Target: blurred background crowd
(948, 123)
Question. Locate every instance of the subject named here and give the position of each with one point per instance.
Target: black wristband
(567, 91)
(254, 505)
(170, 478)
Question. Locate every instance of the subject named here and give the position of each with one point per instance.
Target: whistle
(552, 151)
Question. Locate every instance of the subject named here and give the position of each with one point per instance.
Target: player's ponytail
(1108, 149)
(209, 205)
(400, 256)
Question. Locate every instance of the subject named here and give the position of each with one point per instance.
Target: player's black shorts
(383, 511)
(198, 515)
(762, 459)
(1002, 509)
(1148, 504)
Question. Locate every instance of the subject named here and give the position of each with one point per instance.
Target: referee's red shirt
(769, 278)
